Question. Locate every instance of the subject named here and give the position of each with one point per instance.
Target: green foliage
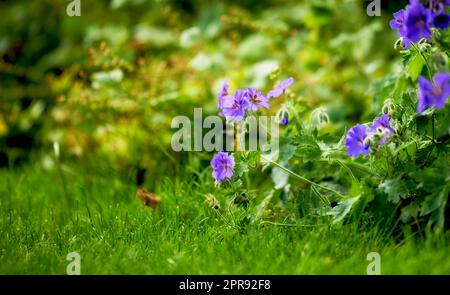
(410, 171)
(109, 80)
(105, 87)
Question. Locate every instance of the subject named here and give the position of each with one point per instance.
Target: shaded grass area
(100, 218)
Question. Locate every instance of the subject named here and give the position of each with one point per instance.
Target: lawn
(100, 218)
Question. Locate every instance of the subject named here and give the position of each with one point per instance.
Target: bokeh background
(106, 85)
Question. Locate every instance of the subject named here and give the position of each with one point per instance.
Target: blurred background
(106, 85)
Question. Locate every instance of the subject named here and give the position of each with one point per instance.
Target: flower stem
(286, 224)
(433, 118)
(302, 178)
(356, 165)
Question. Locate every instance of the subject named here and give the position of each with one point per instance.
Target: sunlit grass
(114, 234)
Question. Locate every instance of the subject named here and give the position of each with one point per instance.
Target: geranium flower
(222, 93)
(382, 127)
(356, 141)
(417, 21)
(441, 19)
(434, 93)
(398, 23)
(256, 99)
(222, 165)
(280, 88)
(234, 106)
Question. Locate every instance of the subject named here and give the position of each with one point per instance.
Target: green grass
(98, 216)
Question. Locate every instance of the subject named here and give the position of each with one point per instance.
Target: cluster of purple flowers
(233, 108)
(412, 24)
(360, 137)
(415, 22)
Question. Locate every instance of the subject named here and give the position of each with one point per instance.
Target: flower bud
(282, 116)
(388, 107)
(320, 117)
(398, 44)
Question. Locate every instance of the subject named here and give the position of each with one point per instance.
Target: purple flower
(441, 19)
(356, 141)
(414, 23)
(434, 93)
(381, 126)
(280, 88)
(417, 20)
(256, 99)
(398, 23)
(222, 165)
(234, 106)
(222, 93)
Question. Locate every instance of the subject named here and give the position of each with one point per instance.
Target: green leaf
(431, 203)
(431, 179)
(415, 66)
(409, 212)
(342, 208)
(400, 87)
(394, 188)
(436, 205)
(308, 148)
(286, 152)
(241, 168)
(280, 177)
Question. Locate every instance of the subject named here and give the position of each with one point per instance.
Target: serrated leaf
(308, 148)
(241, 168)
(394, 188)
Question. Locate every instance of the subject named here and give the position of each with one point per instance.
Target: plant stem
(303, 178)
(353, 164)
(433, 118)
(424, 60)
(286, 224)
